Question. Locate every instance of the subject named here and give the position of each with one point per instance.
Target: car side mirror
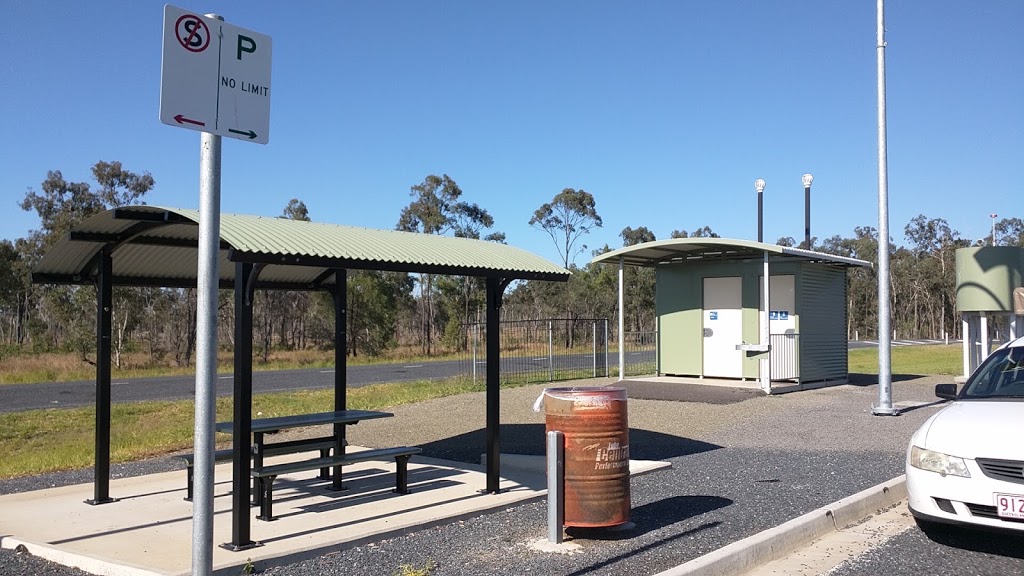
(946, 391)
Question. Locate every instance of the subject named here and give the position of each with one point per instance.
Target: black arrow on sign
(250, 133)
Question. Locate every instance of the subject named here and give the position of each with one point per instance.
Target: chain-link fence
(641, 353)
(542, 350)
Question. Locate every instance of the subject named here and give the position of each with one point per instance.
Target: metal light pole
(764, 364)
(759, 186)
(884, 407)
(993, 217)
(807, 210)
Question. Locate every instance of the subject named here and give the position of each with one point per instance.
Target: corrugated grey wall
(822, 302)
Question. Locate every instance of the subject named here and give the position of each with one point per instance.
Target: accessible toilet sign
(215, 77)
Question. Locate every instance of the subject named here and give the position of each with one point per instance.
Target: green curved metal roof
(684, 250)
(157, 246)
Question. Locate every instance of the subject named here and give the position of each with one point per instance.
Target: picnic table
(263, 426)
(264, 475)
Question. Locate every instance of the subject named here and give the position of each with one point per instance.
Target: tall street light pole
(759, 186)
(807, 210)
(885, 406)
(764, 363)
(993, 217)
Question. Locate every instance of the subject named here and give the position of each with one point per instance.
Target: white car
(965, 464)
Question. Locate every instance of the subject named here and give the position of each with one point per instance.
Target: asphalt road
(21, 397)
(947, 553)
(35, 396)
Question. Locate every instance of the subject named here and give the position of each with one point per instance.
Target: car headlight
(938, 462)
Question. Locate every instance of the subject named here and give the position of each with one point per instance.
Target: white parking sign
(215, 77)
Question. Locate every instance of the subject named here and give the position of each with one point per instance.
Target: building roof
(158, 246)
(690, 250)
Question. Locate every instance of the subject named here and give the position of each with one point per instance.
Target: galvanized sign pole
(215, 78)
(884, 407)
(206, 353)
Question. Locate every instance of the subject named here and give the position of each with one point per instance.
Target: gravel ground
(741, 463)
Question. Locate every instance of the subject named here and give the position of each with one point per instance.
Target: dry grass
(39, 441)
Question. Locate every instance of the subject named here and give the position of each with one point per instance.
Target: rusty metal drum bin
(594, 424)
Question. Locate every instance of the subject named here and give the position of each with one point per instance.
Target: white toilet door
(723, 327)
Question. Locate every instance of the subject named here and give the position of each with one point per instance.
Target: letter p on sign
(245, 44)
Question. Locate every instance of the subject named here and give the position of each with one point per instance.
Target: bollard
(556, 486)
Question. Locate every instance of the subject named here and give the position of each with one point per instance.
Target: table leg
(257, 464)
(339, 449)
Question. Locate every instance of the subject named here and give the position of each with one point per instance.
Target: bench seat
(324, 445)
(265, 475)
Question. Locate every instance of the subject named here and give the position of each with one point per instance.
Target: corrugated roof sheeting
(680, 250)
(294, 252)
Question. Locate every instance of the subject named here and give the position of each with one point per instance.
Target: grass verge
(920, 360)
(50, 440)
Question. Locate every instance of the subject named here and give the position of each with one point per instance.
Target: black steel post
(494, 289)
(340, 294)
(104, 303)
(760, 217)
(242, 418)
(807, 217)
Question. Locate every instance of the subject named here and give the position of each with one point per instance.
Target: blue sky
(666, 111)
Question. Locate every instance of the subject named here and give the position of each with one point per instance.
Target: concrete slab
(148, 531)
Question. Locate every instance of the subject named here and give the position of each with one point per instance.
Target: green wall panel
(986, 277)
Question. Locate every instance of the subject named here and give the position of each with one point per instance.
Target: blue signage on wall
(713, 315)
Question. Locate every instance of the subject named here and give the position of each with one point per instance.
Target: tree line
(426, 314)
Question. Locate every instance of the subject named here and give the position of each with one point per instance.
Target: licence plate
(1010, 506)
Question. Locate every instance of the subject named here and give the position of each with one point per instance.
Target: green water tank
(986, 277)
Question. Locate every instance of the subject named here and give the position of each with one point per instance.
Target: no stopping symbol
(192, 33)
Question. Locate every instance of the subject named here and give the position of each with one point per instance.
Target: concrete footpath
(749, 479)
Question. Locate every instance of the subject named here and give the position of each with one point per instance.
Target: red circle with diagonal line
(192, 33)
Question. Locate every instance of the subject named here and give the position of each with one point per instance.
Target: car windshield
(1000, 376)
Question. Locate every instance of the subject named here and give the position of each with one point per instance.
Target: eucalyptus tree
(437, 208)
(10, 294)
(702, 232)
(1010, 232)
(933, 278)
(60, 204)
(569, 215)
(638, 284)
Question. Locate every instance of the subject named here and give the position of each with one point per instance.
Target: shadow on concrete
(529, 439)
